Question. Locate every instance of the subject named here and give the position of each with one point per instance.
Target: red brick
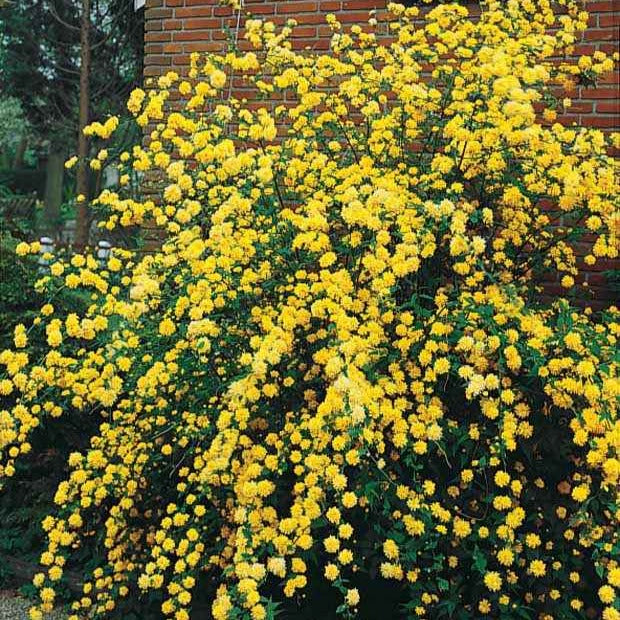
(297, 7)
(604, 5)
(581, 107)
(569, 119)
(609, 20)
(157, 36)
(172, 24)
(599, 93)
(604, 107)
(172, 48)
(262, 9)
(353, 17)
(153, 48)
(609, 122)
(613, 77)
(201, 24)
(203, 46)
(157, 13)
(160, 60)
(349, 5)
(192, 35)
(304, 32)
(601, 34)
(589, 49)
(218, 10)
(196, 11)
(584, 49)
(180, 59)
(232, 21)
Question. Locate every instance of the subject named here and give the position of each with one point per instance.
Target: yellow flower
(505, 557)
(167, 327)
(217, 79)
(47, 595)
(332, 544)
(493, 581)
(70, 163)
(462, 528)
(484, 606)
(606, 594)
(349, 499)
(613, 577)
(345, 556)
(441, 366)
(390, 549)
(331, 572)
(580, 493)
(352, 597)
(532, 540)
(537, 568)
(22, 249)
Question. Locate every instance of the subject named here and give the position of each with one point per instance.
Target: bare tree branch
(59, 19)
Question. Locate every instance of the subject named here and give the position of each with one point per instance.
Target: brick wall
(176, 28)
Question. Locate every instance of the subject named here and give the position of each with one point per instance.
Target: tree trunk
(53, 192)
(18, 160)
(82, 220)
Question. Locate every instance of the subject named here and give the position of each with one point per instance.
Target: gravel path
(15, 607)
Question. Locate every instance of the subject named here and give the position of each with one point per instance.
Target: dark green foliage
(28, 497)
(18, 301)
(23, 180)
(39, 60)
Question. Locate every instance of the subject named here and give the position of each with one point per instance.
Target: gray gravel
(15, 607)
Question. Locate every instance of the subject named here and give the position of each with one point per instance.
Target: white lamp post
(47, 247)
(104, 249)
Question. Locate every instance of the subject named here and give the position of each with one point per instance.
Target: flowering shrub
(335, 371)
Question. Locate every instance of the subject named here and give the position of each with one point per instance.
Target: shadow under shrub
(28, 497)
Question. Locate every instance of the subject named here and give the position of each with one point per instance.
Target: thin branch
(111, 31)
(60, 20)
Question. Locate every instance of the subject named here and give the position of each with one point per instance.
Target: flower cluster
(334, 372)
